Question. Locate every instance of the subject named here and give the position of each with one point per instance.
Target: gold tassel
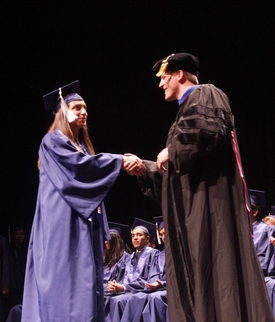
(163, 66)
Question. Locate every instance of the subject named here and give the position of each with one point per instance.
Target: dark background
(110, 48)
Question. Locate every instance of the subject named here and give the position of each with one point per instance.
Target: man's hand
(153, 286)
(133, 165)
(162, 158)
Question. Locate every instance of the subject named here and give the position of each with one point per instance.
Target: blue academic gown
(156, 308)
(262, 233)
(134, 281)
(136, 303)
(270, 280)
(116, 272)
(265, 251)
(64, 273)
(15, 314)
(270, 284)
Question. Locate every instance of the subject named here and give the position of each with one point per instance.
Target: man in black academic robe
(212, 269)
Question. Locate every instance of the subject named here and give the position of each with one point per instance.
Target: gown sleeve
(82, 180)
(151, 183)
(149, 274)
(203, 124)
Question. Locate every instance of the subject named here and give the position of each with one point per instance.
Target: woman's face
(107, 244)
(79, 108)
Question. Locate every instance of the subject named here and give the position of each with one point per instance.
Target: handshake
(133, 165)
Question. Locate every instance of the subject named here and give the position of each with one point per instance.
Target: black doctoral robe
(213, 273)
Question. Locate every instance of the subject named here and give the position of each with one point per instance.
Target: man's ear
(255, 212)
(181, 76)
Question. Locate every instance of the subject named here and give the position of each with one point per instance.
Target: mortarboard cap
(17, 226)
(120, 229)
(257, 198)
(70, 92)
(174, 62)
(272, 211)
(146, 226)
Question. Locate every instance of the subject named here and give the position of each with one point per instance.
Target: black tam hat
(181, 61)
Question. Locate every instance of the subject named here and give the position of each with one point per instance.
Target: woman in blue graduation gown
(116, 255)
(64, 268)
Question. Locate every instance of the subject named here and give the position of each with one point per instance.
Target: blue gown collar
(185, 95)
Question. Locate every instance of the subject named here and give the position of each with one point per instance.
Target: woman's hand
(133, 165)
(114, 287)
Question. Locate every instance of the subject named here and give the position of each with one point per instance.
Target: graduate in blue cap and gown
(136, 308)
(18, 258)
(270, 279)
(64, 270)
(15, 314)
(270, 218)
(141, 268)
(262, 232)
(116, 254)
(156, 308)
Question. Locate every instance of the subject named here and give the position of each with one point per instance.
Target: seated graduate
(15, 314)
(4, 275)
(270, 218)
(141, 268)
(64, 272)
(156, 308)
(155, 291)
(270, 279)
(18, 259)
(262, 232)
(270, 284)
(116, 254)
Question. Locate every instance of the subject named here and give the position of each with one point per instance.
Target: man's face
(162, 234)
(19, 236)
(139, 239)
(170, 85)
